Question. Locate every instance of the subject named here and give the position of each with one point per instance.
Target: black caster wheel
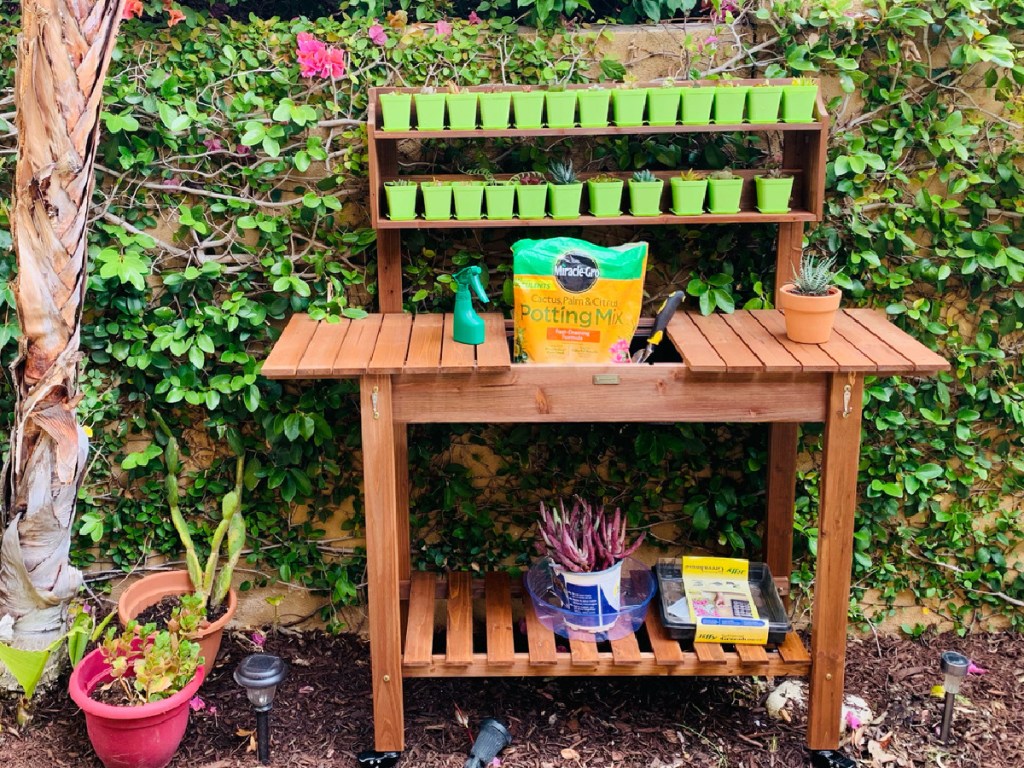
(828, 758)
(371, 759)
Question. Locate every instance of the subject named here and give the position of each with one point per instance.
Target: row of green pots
(597, 107)
(723, 195)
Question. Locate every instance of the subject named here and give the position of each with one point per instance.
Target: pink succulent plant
(584, 539)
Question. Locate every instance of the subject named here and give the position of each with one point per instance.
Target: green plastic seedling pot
(798, 103)
(688, 196)
(763, 104)
(730, 104)
(697, 102)
(531, 200)
(561, 109)
(401, 201)
(397, 111)
(605, 198)
(469, 200)
(429, 111)
(494, 110)
(773, 194)
(593, 106)
(724, 195)
(663, 105)
(461, 111)
(564, 200)
(437, 201)
(645, 197)
(628, 106)
(500, 199)
(528, 108)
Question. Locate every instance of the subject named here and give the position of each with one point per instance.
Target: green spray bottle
(469, 326)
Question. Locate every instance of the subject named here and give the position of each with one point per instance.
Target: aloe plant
(584, 539)
(815, 276)
(645, 176)
(562, 173)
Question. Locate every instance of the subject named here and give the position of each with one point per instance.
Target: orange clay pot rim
(208, 629)
(790, 288)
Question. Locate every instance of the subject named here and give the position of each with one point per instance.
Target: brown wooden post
(382, 560)
(837, 507)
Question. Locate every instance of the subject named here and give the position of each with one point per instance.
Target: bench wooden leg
(382, 560)
(837, 507)
(778, 530)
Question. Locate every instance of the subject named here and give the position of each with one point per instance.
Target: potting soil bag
(576, 302)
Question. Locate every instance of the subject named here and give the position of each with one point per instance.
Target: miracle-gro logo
(576, 273)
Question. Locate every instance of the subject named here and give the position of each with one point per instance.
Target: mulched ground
(323, 716)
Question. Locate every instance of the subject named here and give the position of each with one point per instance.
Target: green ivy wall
(232, 194)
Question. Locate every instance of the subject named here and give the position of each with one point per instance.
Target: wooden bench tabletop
(744, 342)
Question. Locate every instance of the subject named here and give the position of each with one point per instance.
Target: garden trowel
(665, 312)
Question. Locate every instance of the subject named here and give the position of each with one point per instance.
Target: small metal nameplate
(606, 378)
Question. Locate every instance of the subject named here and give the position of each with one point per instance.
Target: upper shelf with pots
(599, 109)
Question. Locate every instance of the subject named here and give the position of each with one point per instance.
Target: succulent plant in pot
(798, 99)
(430, 109)
(774, 187)
(645, 190)
(462, 107)
(528, 108)
(565, 191)
(531, 195)
(437, 200)
(494, 109)
(560, 106)
(605, 195)
(688, 191)
(810, 301)
(628, 102)
(725, 189)
(663, 103)
(763, 103)
(396, 110)
(593, 105)
(730, 102)
(401, 197)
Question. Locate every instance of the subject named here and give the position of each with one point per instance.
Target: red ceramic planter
(131, 737)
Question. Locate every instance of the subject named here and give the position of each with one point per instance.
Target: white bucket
(595, 594)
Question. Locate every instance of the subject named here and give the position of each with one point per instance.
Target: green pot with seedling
(645, 191)
(401, 196)
(725, 189)
(763, 102)
(528, 109)
(688, 191)
(696, 104)
(494, 110)
(593, 106)
(429, 105)
(468, 197)
(500, 198)
(774, 188)
(604, 192)
(437, 200)
(565, 191)
(531, 195)
(396, 109)
(810, 301)
(628, 103)
(798, 99)
(730, 103)
(461, 108)
(560, 107)
(663, 104)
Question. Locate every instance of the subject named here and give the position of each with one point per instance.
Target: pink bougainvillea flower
(258, 639)
(241, 149)
(213, 144)
(974, 669)
(377, 34)
(133, 9)
(196, 704)
(335, 63)
(852, 720)
(175, 16)
(474, 19)
(312, 55)
(442, 28)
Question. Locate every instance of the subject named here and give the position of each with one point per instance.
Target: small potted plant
(437, 200)
(531, 195)
(724, 191)
(560, 107)
(528, 108)
(645, 190)
(696, 104)
(763, 103)
(586, 547)
(798, 100)
(663, 104)
(628, 102)
(401, 197)
(730, 102)
(593, 104)
(810, 302)
(499, 197)
(461, 108)
(468, 197)
(565, 191)
(396, 108)
(605, 194)
(430, 105)
(774, 188)
(135, 691)
(688, 191)
(494, 110)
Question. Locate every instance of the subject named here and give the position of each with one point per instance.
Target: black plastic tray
(679, 627)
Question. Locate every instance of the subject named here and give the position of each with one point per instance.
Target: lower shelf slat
(533, 650)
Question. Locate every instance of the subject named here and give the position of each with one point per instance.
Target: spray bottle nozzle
(468, 327)
(470, 278)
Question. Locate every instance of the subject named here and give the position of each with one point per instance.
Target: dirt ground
(322, 716)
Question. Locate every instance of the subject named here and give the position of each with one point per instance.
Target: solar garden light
(260, 674)
(492, 738)
(954, 666)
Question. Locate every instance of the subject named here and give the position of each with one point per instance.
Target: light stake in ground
(954, 666)
(260, 674)
(492, 738)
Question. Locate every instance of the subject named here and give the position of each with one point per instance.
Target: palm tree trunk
(63, 55)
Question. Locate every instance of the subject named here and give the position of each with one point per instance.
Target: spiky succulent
(644, 176)
(815, 276)
(399, 183)
(563, 173)
(691, 175)
(584, 539)
(774, 173)
(804, 81)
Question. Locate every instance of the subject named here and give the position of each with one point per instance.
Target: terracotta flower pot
(809, 319)
(151, 589)
(131, 737)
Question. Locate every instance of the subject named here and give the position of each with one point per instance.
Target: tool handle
(665, 313)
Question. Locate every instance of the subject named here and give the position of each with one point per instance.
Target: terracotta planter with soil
(150, 590)
(809, 319)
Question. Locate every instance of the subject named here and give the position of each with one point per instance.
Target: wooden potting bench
(727, 368)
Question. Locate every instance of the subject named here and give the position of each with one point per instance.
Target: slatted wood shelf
(496, 644)
(743, 217)
(380, 134)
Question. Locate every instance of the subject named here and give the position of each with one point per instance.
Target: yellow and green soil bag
(576, 302)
